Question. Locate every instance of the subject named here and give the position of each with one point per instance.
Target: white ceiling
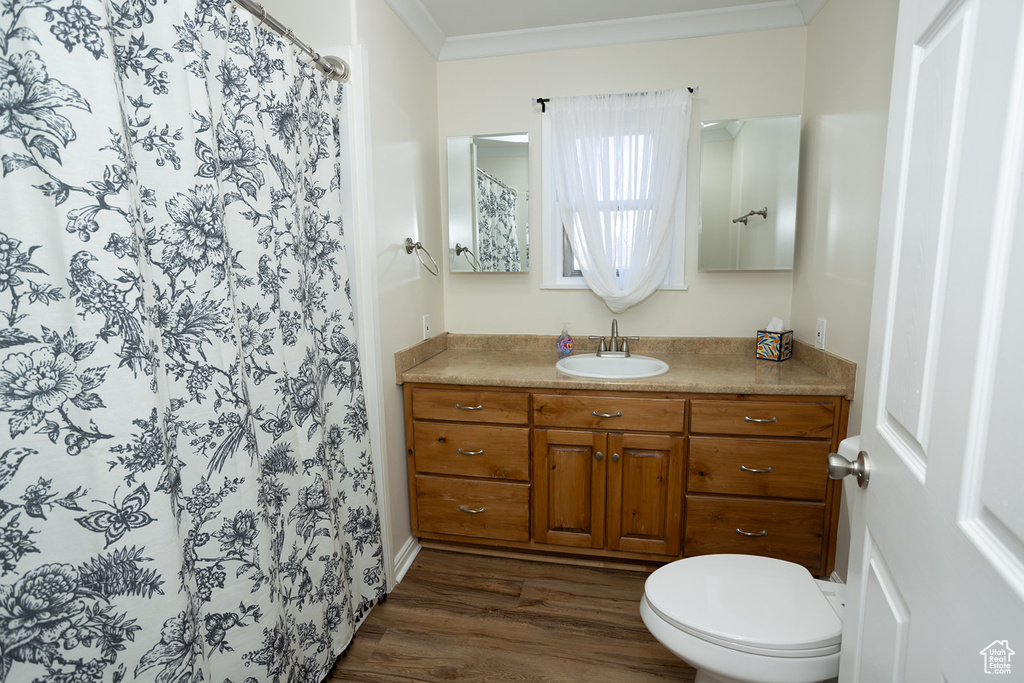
(464, 29)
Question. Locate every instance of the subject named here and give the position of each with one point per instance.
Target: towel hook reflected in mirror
(411, 246)
(460, 250)
(763, 213)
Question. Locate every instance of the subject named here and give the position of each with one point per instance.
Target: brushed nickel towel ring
(411, 246)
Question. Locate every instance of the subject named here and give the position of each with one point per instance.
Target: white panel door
(937, 558)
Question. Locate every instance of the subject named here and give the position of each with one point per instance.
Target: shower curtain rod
(483, 172)
(543, 101)
(334, 67)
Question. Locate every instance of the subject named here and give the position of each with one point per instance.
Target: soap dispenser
(564, 342)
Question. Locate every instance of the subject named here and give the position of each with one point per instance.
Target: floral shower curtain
(497, 243)
(186, 491)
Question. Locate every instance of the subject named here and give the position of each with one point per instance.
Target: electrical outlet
(426, 326)
(819, 334)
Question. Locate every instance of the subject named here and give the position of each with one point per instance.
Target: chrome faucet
(614, 341)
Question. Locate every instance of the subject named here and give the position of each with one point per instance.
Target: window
(620, 204)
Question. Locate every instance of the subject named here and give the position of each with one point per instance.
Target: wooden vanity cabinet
(618, 491)
(756, 480)
(626, 475)
(469, 463)
(601, 480)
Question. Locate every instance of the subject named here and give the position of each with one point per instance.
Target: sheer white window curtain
(619, 177)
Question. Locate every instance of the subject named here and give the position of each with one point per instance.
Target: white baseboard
(835, 578)
(404, 559)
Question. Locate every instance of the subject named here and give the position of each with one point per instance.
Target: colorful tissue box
(774, 345)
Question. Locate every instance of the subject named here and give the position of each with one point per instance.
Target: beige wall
(407, 193)
(846, 102)
(753, 74)
(402, 78)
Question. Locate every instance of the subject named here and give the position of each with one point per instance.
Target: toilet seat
(753, 604)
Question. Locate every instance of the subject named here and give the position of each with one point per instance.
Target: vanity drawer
(472, 450)
(609, 413)
(762, 418)
(470, 406)
(481, 509)
(787, 531)
(750, 467)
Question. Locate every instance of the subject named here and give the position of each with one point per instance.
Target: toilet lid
(748, 603)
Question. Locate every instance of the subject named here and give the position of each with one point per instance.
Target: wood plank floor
(459, 617)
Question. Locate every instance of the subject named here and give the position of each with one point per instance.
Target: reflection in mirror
(748, 184)
(488, 203)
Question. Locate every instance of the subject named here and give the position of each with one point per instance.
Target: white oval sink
(612, 367)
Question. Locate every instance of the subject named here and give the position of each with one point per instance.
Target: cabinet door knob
(751, 469)
(761, 420)
(472, 511)
(763, 532)
(615, 457)
(599, 456)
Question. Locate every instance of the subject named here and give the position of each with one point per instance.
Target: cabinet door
(569, 483)
(645, 493)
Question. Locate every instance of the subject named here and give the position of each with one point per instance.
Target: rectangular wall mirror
(748, 184)
(488, 203)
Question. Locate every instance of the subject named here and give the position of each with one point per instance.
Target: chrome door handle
(761, 420)
(462, 452)
(597, 414)
(839, 467)
(472, 511)
(751, 469)
(763, 532)
(477, 407)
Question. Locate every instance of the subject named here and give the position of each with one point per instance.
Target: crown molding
(418, 20)
(759, 17)
(810, 9)
(783, 14)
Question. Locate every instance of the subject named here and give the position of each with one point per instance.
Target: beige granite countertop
(720, 365)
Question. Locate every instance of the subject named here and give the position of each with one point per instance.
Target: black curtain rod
(543, 101)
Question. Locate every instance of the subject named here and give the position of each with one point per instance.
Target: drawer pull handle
(597, 414)
(476, 511)
(761, 420)
(751, 469)
(750, 533)
(462, 452)
(476, 407)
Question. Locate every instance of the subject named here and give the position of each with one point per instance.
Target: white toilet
(746, 619)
